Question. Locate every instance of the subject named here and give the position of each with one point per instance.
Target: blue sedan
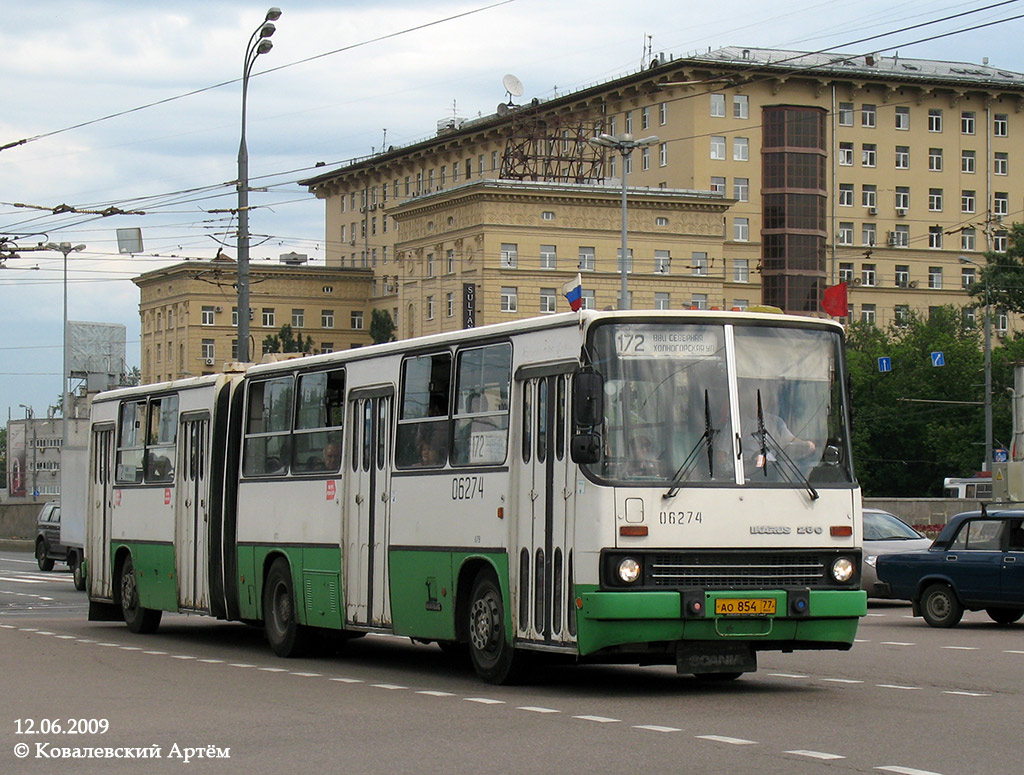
(976, 563)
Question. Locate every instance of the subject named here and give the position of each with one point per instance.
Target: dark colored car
(976, 563)
(885, 533)
(48, 545)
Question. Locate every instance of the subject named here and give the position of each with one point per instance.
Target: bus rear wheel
(286, 636)
(139, 620)
(493, 657)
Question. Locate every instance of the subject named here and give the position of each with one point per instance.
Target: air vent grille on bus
(736, 570)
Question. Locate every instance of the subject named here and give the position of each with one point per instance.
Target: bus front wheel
(286, 636)
(493, 657)
(139, 620)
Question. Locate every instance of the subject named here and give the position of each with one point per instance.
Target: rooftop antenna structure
(513, 88)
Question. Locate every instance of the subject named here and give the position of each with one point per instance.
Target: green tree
(904, 441)
(382, 327)
(1003, 275)
(287, 341)
(131, 376)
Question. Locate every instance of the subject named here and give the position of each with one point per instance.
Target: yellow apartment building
(879, 171)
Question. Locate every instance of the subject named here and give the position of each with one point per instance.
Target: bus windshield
(720, 404)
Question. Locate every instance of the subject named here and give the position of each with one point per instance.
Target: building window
(867, 313)
(586, 259)
(645, 118)
(935, 200)
(741, 149)
(966, 277)
(845, 273)
(741, 270)
(589, 301)
(629, 261)
(935, 120)
(718, 106)
(449, 262)
(699, 264)
(867, 115)
(935, 237)
(867, 274)
(547, 301)
(661, 300)
(509, 255)
(967, 161)
(663, 113)
(845, 154)
(740, 106)
(356, 320)
(645, 158)
(903, 157)
(935, 159)
(868, 154)
(509, 299)
(430, 264)
(869, 196)
(741, 189)
(717, 147)
(1001, 203)
(999, 242)
(661, 220)
(1000, 166)
(967, 201)
(935, 277)
(449, 301)
(967, 239)
(902, 118)
(967, 122)
(902, 275)
(207, 317)
(663, 154)
(430, 308)
(741, 229)
(548, 257)
(846, 233)
(902, 200)
(207, 349)
(699, 301)
(327, 318)
(868, 234)
(298, 318)
(268, 317)
(629, 122)
(662, 261)
(718, 185)
(846, 114)
(1000, 125)
(846, 194)
(901, 236)
(327, 347)
(901, 314)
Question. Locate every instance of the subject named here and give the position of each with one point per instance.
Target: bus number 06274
(466, 488)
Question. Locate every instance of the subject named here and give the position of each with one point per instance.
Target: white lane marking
(960, 648)
(219, 662)
(968, 694)
(274, 669)
(130, 648)
(906, 770)
(64, 637)
(787, 675)
(155, 653)
(347, 680)
(44, 632)
(432, 693)
(21, 581)
(729, 740)
(240, 664)
(1013, 651)
(881, 615)
(181, 656)
(29, 629)
(536, 709)
(8, 626)
(842, 680)
(896, 643)
(599, 719)
(898, 686)
(816, 754)
(484, 700)
(308, 675)
(390, 687)
(109, 645)
(861, 640)
(656, 728)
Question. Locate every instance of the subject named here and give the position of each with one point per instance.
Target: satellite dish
(502, 109)
(512, 85)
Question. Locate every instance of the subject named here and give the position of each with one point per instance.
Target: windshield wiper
(708, 439)
(769, 443)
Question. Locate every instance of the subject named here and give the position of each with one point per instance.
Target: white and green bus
(643, 487)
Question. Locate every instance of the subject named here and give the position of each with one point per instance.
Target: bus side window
(161, 438)
(482, 404)
(318, 423)
(267, 426)
(424, 424)
(130, 443)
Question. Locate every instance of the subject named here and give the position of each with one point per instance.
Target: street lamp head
(603, 140)
(264, 46)
(267, 29)
(273, 14)
(651, 140)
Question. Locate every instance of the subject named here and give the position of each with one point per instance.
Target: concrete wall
(18, 520)
(929, 515)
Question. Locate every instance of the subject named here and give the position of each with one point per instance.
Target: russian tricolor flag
(573, 292)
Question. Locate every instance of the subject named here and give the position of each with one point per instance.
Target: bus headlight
(843, 569)
(629, 570)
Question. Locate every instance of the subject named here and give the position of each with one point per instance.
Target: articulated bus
(635, 487)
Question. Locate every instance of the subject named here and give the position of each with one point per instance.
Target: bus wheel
(492, 655)
(286, 636)
(42, 561)
(139, 619)
(76, 572)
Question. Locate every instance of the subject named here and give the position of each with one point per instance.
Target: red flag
(834, 302)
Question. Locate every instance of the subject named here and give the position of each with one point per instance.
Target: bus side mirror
(585, 448)
(588, 399)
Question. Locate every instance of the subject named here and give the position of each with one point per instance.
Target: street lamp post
(259, 43)
(988, 364)
(64, 248)
(624, 144)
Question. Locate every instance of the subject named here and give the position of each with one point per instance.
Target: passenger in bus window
(644, 460)
(332, 457)
(158, 468)
(431, 446)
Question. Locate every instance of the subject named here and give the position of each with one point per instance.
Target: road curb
(16, 544)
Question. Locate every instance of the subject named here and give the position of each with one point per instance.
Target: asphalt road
(907, 699)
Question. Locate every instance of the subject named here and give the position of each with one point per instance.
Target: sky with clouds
(136, 105)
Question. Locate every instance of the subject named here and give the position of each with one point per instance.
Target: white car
(885, 533)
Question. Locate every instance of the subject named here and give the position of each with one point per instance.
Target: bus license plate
(745, 606)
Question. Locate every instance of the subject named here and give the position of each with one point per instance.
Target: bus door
(191, 517)
(545, 512)
(101, 504)
(368, 508)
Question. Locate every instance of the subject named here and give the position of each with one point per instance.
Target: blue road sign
(938, 359)
(999, 455)
(885, 364)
